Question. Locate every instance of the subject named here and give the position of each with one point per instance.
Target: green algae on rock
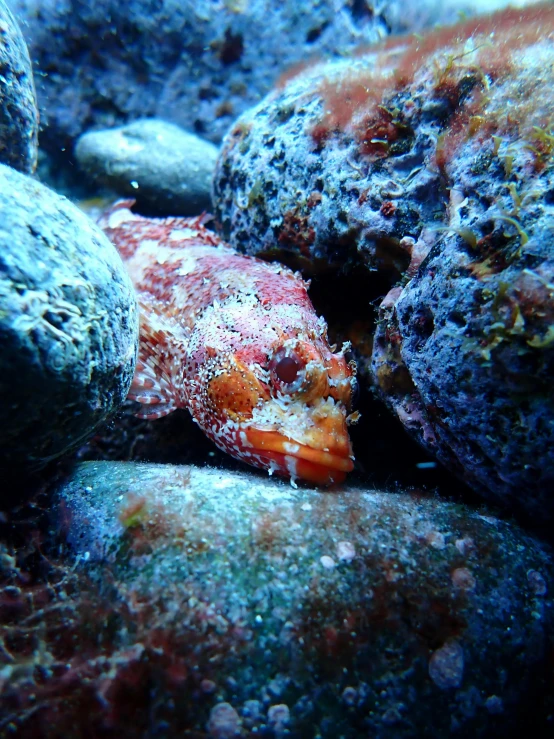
(68, 324)
(208, 601)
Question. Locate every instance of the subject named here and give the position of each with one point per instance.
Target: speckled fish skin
(236, 341)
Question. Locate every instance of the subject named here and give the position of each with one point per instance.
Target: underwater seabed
(153, 585)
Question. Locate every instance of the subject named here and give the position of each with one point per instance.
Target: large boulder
(18, 106)
(230, 603)
(68, 324)
(192, 601)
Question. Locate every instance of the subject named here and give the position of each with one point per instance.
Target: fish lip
(273, 442)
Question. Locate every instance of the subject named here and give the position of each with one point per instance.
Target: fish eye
(287, 369)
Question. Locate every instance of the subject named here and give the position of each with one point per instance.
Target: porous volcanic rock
(18, 106)
(347, 160)
(431, 157)
(464, 352)
(196, 63)
(166, 169)
(201, 600)
(68, 324)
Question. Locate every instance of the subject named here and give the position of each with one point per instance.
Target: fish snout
(317, 450)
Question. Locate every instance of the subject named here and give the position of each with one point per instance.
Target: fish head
(285, 409)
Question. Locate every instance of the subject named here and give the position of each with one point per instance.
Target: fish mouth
(285, 456)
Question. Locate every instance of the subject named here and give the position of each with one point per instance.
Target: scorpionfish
(237, 341)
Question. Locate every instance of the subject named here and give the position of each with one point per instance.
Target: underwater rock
(68, 324)
(202, 600)
(18, 106)
(348, 160)
(464, 352)
(464, 355)
(197, 64)
(166, 169)
(432, 157)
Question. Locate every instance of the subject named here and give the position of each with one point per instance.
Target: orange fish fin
(153, 392)
(154, 397)
(152, 385)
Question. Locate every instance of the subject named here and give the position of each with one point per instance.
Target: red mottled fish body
(236, 341)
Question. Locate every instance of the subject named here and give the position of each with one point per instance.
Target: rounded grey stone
(68, 323)
(18, 107)
(229, 595)
(163, 167)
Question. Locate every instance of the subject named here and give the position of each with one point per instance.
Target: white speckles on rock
(278, 686)
(252, 713)
(345, 551)
(224, 722)
(223, 483)
(446, 666)
(327, 562)
(278, 717)
(465, 545)
(392, 715)
(349, 695)
(489, 519)
(286, 634)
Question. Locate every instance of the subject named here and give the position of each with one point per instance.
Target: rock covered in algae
(464, 352)
(433, 157)
(349, 159)
(469, 371)
(18, 106)
(68, 324)
(164, 168)
(221, 604)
